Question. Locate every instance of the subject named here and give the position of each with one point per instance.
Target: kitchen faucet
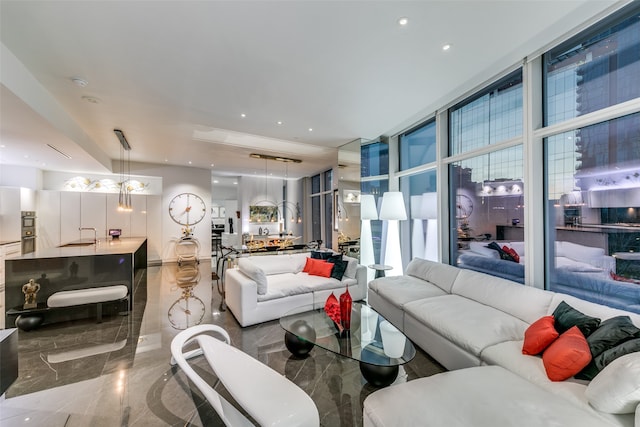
(95, 233)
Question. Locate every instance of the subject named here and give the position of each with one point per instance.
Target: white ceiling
(176, 76)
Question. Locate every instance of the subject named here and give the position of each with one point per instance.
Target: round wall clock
(187, 209)
(464, 206)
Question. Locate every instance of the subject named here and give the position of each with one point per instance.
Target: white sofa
(467, 320)
(266, 287)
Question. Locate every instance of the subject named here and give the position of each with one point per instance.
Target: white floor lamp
(417, 234)
(368, 211)
(393, 210)
(430, 213)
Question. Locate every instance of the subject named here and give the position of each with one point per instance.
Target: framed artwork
(263, 213)
(223, 212)
(214, 212)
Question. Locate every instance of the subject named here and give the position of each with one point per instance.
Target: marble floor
(117, 373)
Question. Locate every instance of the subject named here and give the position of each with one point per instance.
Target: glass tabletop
(371, 338)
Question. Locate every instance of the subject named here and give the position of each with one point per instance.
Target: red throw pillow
(307, 265)
(512, 252)
(567, 355)
(539, 336)
(321, 268)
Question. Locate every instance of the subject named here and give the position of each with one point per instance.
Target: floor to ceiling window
(417, 154)
(322, 208)
(487, 190)
(593, 172)
(374, 172)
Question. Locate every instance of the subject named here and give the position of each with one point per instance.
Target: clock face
(464, 206)
(187, 209)
(187, 311)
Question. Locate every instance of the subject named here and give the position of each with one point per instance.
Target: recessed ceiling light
(279, 122)
(166, 160)
(189, 161)
(403, 21)
(2, 146)
(79, 81)
(211, 164)
(215, 181)
(26, 156)
(310, 129)
(243, 115)
(446, 47)
(91, 99)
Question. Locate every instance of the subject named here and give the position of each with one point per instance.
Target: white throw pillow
(352, 267)
(616, 389)
(254, 272)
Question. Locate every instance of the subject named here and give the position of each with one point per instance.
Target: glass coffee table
(375, 343)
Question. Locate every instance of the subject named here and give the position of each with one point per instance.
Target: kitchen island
(76, 266)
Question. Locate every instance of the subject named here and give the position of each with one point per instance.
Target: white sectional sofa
(474, 325)
(266, 287)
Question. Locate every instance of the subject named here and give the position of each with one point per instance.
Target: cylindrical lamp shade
(393, 206)
(429, 208)
(368, 208)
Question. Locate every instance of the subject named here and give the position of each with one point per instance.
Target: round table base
(297, 346)
(379, 376)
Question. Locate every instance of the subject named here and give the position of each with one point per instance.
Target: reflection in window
(487, 194)
(377, 188)
(593, 189)
(420, 210)
(594, 70)
(418, 146)
(495, 115)
(374, 159)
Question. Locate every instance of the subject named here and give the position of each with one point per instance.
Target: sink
(71, 244)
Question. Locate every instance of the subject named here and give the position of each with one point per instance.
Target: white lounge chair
(266, 395)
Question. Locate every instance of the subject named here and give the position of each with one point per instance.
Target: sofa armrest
(241, 294)
(361, 277)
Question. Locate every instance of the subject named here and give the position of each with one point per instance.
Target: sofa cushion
(567, 355)
(567, 317)
(277, 264)
(287, 284)
(399, 290)
(616, 390)
(441, 275)
(466, 323)
(578, 252)
(576, 266)
(481, 249)
(539, 336)
(251, 270)
(480, 396)
(524, 302)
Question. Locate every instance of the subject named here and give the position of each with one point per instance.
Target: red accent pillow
(307, 265)
(320, 268)
(539, 336)
(512, 252)
(567, 355)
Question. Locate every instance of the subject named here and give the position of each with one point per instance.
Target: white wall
(177, 180)
(20, 176)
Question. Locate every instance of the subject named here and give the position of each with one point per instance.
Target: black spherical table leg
(379, 376)
(29, 322)
(298, 347)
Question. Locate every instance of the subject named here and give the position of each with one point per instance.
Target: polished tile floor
(117, 373)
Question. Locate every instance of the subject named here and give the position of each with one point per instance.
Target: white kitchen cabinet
(48, 221)
(69, 216)
(8, 251)
(93, 214)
